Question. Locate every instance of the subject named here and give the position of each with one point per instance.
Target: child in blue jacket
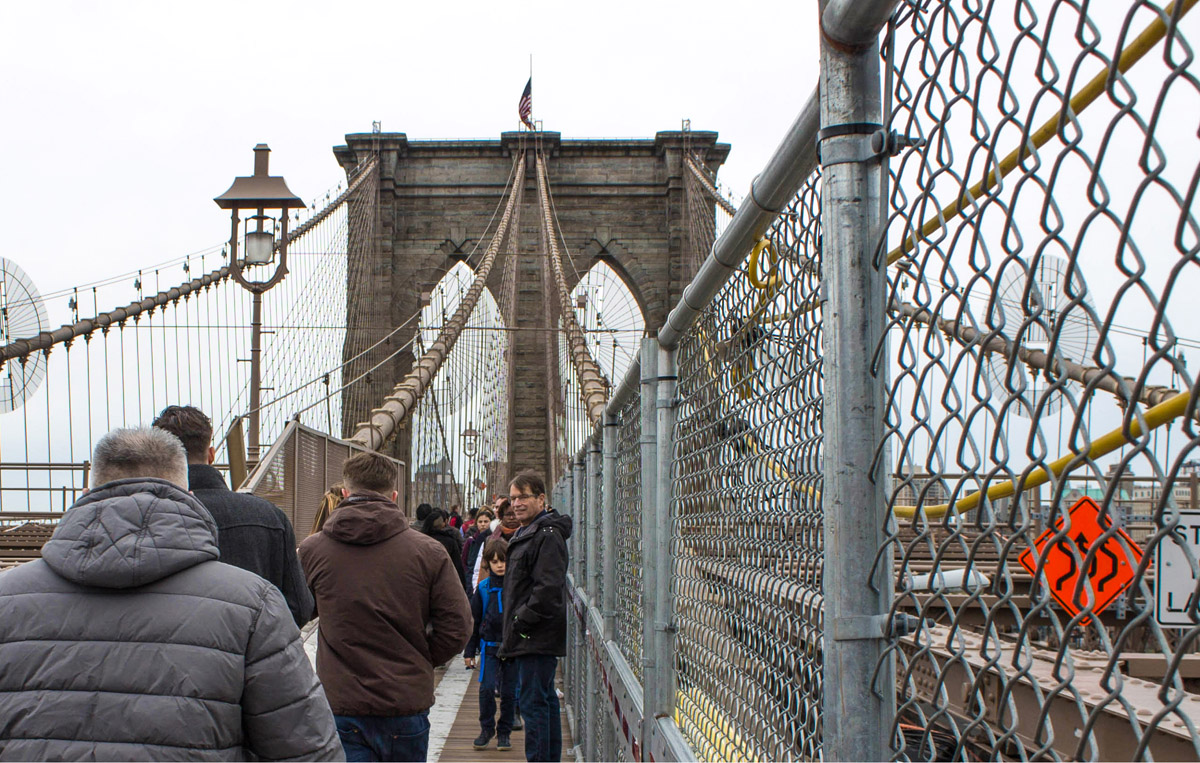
(488, 608)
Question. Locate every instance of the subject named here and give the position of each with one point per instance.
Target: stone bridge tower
(618, 201)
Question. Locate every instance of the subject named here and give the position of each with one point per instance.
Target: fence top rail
(786, 170)
(625, 390)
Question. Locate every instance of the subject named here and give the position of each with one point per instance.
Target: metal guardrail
(853, 451)
(298, 470)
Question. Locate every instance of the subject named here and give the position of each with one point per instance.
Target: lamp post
(470, 439)
(260, 192)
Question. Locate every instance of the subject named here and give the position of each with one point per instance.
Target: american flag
(525, 107)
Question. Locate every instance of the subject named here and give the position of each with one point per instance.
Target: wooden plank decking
(458, 745)
(456, 704)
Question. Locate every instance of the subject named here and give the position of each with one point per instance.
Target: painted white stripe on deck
(446, 701)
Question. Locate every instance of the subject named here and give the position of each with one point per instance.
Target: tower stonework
(617, 201)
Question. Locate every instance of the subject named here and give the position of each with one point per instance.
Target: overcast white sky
(124, 119)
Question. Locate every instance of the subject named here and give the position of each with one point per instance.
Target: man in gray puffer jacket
(129, 640)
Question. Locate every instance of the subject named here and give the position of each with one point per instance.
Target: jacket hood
(365, 519)
(130, 533)
(551, 518)
(561, 522)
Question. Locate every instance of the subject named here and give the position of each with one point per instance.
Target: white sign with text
(1175, 581)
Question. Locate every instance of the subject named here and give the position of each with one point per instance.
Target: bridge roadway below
(454, 717)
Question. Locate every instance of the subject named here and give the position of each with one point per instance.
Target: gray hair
(141, 452)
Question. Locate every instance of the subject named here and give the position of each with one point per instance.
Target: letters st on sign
(1074, 580)
(1175, 582)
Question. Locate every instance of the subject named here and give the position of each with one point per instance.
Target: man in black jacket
(251, 533)
(535, 612)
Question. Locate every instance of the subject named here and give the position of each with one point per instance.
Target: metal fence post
(651, 677)
(582, 688)
(858, 701)
(663, 558)
(580, 515)
(608, 565)
(608, 526)
(568, 662)
(594, 705)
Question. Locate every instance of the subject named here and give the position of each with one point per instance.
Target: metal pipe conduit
(850, 23)
(591, 379)
(793, 161)
(47, 339)
(1101, 378)
(384, 421)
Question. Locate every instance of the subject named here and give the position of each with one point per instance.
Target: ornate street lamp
(260, 192)
(470, 438)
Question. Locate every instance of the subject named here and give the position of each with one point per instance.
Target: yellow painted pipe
(1132, 53)
(1155, 417)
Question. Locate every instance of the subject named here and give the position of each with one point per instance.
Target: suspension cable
(397, 406)
(594, 386)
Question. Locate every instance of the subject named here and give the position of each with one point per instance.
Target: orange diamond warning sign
(1108, 572)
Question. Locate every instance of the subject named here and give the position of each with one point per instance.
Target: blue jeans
(496, 674)
(539, 707)
(381, 737)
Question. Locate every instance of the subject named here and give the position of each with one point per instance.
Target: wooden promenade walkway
(465, 726)
(454, 717)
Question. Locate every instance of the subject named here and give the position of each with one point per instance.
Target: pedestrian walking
(535, 612)
(496, 676)
(449, 538)
(391, 607)
(128, 640)
(252, 533)
(473, 548)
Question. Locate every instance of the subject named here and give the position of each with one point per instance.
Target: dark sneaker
(482, 740)
(518, 724)
(502, 742)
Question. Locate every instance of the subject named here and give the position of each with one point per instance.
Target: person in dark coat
(391, 606)
(423, 512)
(252, 533)
(473, 547)
(535, 612)
(451, 540)
(128, 640)
(496, 676)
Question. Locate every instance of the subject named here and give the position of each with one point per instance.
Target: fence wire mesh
(1039, 230)
(628, 551)
(297, 471)
(746, 512)
(576, 617)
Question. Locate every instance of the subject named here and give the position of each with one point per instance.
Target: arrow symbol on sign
(1111, 575)
(1058, 584)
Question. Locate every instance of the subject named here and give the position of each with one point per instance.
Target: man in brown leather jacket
(391, 607)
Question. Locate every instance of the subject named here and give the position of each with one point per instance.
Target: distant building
(434, 484)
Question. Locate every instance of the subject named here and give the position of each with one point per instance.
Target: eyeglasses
(522, 497)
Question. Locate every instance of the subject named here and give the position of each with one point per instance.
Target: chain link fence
(1041, 221)
(628, 546)
(1029, 538)
(746, 512)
